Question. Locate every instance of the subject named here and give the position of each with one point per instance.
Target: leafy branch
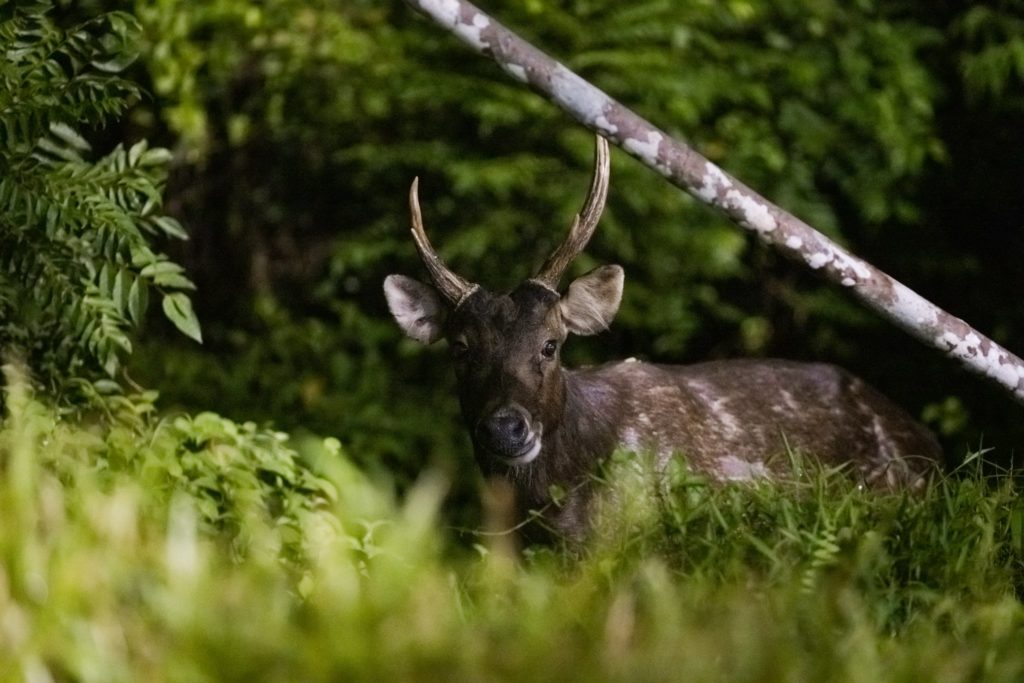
(76, 262)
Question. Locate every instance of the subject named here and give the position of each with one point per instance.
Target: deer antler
(453, 287)
(583, 224)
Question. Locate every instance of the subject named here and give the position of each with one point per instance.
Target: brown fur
(732, 420)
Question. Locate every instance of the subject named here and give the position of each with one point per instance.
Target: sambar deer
(543, 427)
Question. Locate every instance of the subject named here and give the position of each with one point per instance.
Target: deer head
(506, 346)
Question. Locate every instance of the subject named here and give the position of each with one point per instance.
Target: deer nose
(506, 430)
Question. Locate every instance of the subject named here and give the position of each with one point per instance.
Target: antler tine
(583, 224)
(452, 286)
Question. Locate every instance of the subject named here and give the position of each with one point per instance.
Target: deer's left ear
(592, 300)
(417, 308)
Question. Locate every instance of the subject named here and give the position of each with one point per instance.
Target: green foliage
(300, 125)
(229, 472)
(76, 265)
(993, 62)
(332, 376)
(120, 566)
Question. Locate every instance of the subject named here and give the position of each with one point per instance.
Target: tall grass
(117, 566)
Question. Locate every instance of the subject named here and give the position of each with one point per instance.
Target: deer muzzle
(508, 433)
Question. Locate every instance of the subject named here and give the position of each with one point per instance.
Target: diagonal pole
(685, 168)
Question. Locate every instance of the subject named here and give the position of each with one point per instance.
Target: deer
(543, 428)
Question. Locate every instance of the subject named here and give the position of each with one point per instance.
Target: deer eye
(459, 348)
(549, 348)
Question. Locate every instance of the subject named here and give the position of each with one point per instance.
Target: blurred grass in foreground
(197, 549)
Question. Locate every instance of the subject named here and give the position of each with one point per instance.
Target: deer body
(735, 420)
(541, 427)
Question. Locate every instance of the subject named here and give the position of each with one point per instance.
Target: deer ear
(592, 300)
(417, 308)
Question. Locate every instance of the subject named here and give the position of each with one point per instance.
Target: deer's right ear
(417, 308)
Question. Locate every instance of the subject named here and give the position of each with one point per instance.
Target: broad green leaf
(158, 156)
(52, 217)
(175, 280)
(120, 292)
(178, 309)
(160, 268)
(117, 63)
(105, 280)
(171, 226)
(138, 300)
(58, 150)
(136, 152)
(69, 136)
(111, 364)
(106, 386)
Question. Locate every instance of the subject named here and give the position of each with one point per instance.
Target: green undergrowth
(198, 549)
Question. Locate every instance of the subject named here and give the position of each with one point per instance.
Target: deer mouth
(510, 435)
(528, 453)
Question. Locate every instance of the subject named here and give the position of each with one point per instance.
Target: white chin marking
(528, 456)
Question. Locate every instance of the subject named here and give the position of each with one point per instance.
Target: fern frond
(76, 263)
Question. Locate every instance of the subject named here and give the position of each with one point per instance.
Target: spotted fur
(737, 420)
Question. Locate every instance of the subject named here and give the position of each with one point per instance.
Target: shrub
(76, 261)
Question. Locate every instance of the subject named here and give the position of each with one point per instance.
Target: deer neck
(583, 434)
